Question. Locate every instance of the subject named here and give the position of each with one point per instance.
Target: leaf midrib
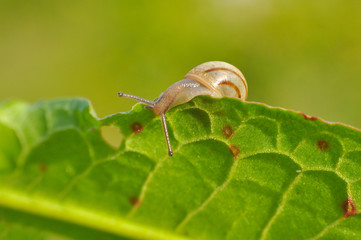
(84, 217)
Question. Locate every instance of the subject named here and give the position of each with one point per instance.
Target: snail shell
(222, 78)
(217, 79)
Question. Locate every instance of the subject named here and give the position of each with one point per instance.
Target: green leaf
(239, 171)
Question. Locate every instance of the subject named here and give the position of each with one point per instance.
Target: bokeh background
(303, 55)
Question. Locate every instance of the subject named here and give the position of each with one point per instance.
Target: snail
(217, 79)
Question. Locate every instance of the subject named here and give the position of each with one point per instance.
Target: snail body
(217, 79)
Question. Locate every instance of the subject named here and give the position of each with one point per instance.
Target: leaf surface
(239, 170)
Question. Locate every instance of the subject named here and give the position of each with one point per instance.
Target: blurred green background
(301, 55)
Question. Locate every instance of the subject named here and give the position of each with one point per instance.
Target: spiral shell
(224, 79)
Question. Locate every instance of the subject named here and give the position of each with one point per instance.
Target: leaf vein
(280, 207)
(191, 214)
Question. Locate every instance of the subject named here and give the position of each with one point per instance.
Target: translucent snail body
(217, 79)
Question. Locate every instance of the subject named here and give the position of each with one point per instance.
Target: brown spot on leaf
(136, 127)
(43, 167)
(134, 200)
(227, 131)
(322, 145)
(234, 150)
(312, 118)
(349, 208)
